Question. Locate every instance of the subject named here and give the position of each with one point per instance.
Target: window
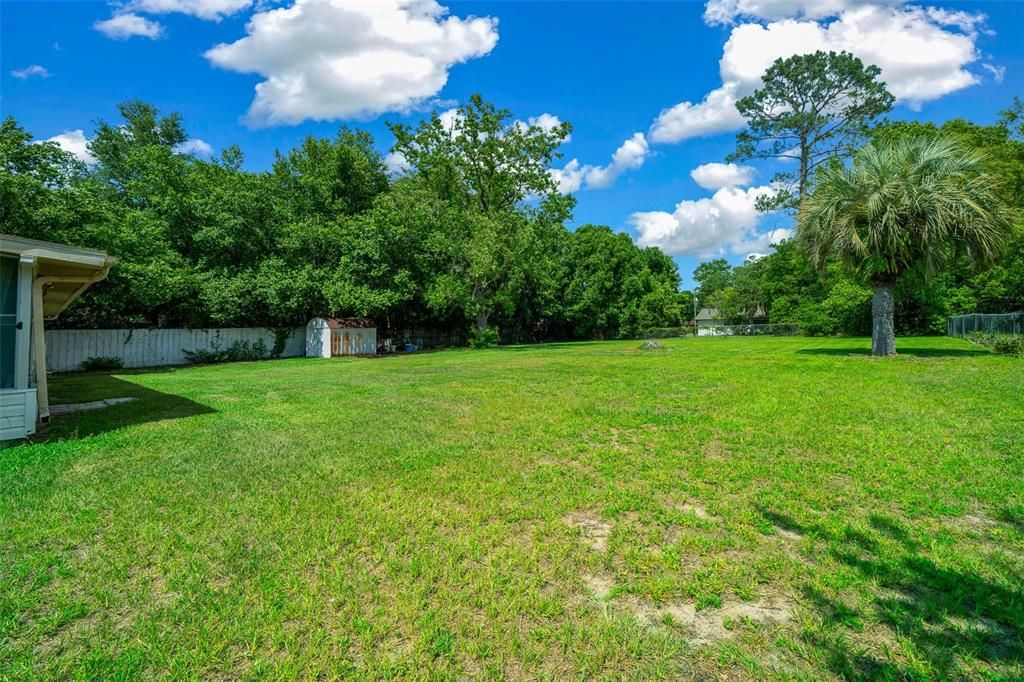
(8, 318)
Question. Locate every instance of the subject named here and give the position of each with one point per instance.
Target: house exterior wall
(18, 406)
(17, 413)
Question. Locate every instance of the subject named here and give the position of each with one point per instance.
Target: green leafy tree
(901, 207)
(127, 150)
(810, 108)
(39, 181)
(1012, 118)
(484, 168)
(712, 276)
(327, 178)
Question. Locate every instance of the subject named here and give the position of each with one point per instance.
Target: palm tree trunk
(883, 331)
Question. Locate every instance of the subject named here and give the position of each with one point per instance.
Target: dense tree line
(472, 237)
(788, 288)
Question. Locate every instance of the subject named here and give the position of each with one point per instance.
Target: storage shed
(331, 337)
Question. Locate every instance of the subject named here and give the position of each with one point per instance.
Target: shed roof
(349, 322)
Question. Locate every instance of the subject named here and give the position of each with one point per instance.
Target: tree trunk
(883, 331)
(481, 321)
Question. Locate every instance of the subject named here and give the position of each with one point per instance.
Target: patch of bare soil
(977, 522)
(77, 629)
(788, 534)
(162, 594)
(695, 510)
(701, 627)
(711, 625)
(600, 585)
(595, 530)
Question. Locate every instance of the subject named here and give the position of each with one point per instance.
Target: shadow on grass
(149, 405)
(912, 352)
(948, 616)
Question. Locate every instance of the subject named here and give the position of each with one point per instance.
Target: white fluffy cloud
(204, 9)
(546, 122)
(74, 142)
(195, 146)
(725, 222)
(124, 26)
(396, 164)
(716, 113)
(998, 72)
(30, 71)
(719, 175)
(330, 59)
(630, 155)
(729, 11)
(923, 54)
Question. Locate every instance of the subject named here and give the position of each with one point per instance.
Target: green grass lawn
(733, 507)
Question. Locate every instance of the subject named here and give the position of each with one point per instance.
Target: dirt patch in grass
(788, 534)
(699, 626)
(67, 633)
(976, 522)
(694, 510)
(162, 594)
(599, 585)
(707, 626)
(595, 530)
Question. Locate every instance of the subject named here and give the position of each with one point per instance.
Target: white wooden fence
(67, 348)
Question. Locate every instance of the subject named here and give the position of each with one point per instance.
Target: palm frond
(918, 200)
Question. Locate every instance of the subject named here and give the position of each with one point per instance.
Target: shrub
(239, 351)
(281, 336)
(1009, 345)
(102, 363)
(485, 339)
(1000, 343)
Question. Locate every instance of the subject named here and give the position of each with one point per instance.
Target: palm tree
(913, 203)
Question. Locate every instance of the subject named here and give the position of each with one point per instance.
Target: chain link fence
(1008, 324)
(723, 330)
(750, 330)
(666, 332)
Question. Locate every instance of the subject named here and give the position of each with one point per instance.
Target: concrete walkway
(61, 410)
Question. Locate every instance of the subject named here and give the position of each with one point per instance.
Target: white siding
(67, 348)
(17, 413)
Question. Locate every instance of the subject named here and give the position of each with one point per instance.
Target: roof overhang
(65, 272)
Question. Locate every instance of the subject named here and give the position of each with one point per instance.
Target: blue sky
(610, 68)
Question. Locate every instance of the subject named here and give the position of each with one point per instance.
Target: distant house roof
(711, 314)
